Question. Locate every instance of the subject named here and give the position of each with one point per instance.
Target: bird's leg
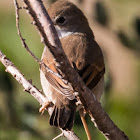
(82, 113)
(45, 105)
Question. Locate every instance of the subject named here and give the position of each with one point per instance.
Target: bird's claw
(44, 107)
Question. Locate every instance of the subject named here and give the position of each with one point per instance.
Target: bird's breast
(47, 88)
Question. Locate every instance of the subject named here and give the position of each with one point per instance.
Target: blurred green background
(19, 116)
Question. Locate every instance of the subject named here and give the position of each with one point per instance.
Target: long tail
(64, 115)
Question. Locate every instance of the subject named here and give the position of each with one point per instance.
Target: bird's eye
(61, 20)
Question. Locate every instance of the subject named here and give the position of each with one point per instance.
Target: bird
(84, 55)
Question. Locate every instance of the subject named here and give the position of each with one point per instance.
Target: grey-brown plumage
(84, 55)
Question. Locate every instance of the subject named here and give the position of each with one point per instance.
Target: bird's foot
(45, 105)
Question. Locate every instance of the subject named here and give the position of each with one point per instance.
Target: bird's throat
(63, 33)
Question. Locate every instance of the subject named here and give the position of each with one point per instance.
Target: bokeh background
(116, 25)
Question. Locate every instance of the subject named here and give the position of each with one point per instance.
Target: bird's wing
(56, 82)
(94, 69)
(86, 57)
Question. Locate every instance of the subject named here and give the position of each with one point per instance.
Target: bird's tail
(63, 116)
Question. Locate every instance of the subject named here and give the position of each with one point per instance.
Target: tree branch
(49, 36)
(28, 87)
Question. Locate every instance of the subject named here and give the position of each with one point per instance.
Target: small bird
(84, 55)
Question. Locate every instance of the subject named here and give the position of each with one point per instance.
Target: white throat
(63, 33)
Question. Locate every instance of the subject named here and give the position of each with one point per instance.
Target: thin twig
(60, 135)
(82, 115)
(24, 44)
(20, 35)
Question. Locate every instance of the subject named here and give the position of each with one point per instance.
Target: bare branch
(60, 135)
(28, 87)
(19, 33)
(70, 135)
(17, 8)
(82, 116)
(50, 39)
